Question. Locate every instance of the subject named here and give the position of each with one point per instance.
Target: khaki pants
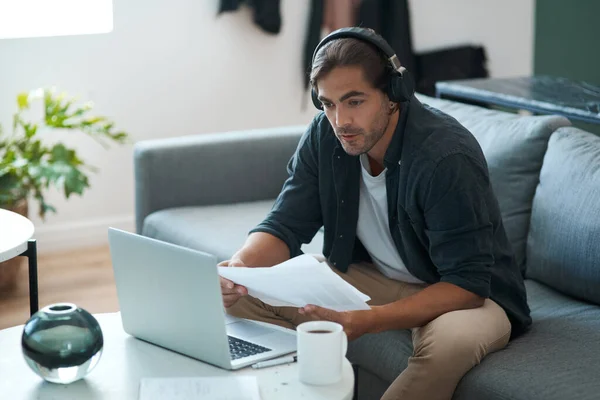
(444, 350)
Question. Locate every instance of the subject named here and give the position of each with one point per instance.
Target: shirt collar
(394, 150)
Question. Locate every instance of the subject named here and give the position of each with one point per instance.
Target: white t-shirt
(373, 225)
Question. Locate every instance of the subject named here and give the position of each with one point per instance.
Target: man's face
(358, 113)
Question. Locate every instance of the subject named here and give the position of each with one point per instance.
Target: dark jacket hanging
(266, 12)
(391, 19)
(313, 37)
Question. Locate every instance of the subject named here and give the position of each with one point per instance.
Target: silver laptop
(170, 296)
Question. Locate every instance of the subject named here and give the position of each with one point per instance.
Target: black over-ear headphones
(400, 87)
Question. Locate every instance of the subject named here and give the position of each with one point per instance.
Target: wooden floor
(83, 277)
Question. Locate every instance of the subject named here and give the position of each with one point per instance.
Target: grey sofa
(207, 191)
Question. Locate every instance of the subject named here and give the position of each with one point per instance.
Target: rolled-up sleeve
(296, 215)
(457, 223)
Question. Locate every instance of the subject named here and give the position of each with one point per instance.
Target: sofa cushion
(514, 147)
(558, 358)
(564, 240)
(218, 229)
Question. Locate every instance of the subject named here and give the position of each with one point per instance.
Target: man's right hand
(230, 291)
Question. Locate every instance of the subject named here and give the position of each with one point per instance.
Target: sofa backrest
(514, 148)
(563, 249)
(212, 168)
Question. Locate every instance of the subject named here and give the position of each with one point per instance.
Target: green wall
(567, 41)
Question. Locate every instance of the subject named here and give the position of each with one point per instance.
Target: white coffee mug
(322, 347)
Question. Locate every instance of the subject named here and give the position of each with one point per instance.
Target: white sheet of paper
(199, 388)
(297, 282)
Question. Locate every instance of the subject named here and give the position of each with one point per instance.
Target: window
(35, 18)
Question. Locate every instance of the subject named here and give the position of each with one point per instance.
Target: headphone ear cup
(401, 87)
(315, 99)
(396, 90)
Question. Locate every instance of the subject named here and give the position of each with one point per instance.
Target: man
(410, 219)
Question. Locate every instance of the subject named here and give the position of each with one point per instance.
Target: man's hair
(347, 52)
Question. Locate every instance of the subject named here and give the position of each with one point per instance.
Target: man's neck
(377, 153)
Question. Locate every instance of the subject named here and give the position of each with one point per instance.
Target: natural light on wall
(35, 18)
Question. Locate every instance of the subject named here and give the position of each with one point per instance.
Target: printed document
(297, 282)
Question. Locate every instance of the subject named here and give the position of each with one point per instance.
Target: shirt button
(341, 236)
(342, 201)
(338, 156)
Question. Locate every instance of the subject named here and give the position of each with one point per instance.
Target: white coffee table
(16, 232)
(126, 360)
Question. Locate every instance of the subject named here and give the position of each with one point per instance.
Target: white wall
(175, 68)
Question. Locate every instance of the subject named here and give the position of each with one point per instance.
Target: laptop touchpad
(248, 329)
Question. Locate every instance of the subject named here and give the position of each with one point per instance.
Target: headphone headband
(365, 35)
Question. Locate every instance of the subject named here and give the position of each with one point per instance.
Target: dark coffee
(319, 331)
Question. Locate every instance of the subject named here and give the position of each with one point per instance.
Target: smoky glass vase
(62, 343)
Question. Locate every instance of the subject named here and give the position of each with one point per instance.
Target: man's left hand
(355, 323)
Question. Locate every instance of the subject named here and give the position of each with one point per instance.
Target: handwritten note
(199, 388)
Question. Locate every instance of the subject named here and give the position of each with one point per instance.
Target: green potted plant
(29, 166)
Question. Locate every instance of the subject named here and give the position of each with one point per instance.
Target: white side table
(125, 360)
(16, 232)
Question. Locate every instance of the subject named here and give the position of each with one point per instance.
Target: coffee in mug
(322, 347)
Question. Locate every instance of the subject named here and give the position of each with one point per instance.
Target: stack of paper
(297, 282)
(204, 388)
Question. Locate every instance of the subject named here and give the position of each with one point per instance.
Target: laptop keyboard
(239, 348)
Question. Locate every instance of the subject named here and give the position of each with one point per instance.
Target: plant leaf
(27, 167)
(75, 182)
(59, 153)
(23, 101)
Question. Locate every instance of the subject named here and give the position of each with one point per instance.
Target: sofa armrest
(213, 168)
